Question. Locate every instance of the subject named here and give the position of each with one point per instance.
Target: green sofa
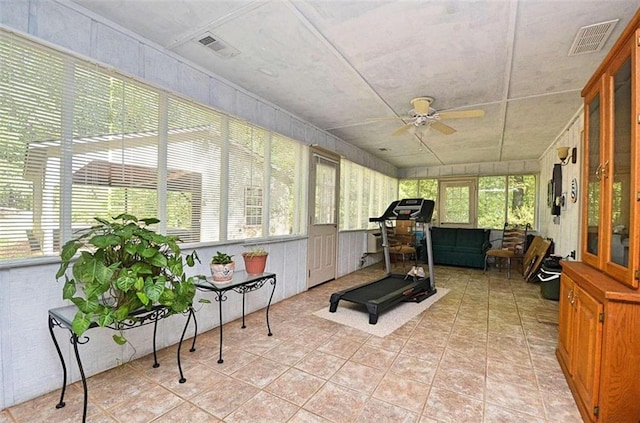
(460, 247)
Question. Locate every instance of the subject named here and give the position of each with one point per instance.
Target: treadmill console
(417, 209)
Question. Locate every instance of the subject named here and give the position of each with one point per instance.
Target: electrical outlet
(572, 254)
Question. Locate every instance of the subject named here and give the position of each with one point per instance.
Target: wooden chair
(401, 242)
(512, 246)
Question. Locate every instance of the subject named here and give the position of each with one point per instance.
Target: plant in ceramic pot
(124, 267)
(222, 267)
(255, 260)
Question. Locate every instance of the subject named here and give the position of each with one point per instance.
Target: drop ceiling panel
(164, 22)
(544, 37)
(307, 74)
(533, 123)
(406, 49)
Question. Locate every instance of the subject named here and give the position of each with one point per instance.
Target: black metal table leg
(273, 282)
(195, 330)
(155, 356)
(182, 378)
(75, 341)
(220, 299)
(53, 323)
(243, 325)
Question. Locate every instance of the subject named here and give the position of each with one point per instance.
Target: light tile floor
(483, 353)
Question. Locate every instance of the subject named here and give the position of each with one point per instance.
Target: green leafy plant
(221, 258)
(124, 266)
(255, 251)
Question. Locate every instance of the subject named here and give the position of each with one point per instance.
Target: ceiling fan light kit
(424, 116)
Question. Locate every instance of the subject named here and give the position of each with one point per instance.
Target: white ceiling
(338, 64)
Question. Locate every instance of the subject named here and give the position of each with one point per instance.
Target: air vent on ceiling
(218, 46)
(591, 38)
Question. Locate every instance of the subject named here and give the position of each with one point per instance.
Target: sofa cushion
(443, 236)
(471, 239)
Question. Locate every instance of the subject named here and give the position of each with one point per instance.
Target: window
(287, 186)
(253, 207)
(78, 141)
(364, 193)
(521, 204)
(500, 199)
(492, 201)
(457, 202)
(420, 188)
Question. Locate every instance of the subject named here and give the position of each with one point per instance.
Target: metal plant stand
(241, 283)
(63, 317)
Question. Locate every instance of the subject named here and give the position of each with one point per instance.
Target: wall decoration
(574, 190)
(557, 189)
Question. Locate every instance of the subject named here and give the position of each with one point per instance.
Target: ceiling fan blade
(402, 129)
(441, 127)
(383, 119)
(461, 114)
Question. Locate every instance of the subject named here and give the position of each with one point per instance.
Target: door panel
(324, 179)
(565, 317)
(588, 346)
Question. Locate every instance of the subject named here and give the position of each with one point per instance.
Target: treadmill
(380, 295)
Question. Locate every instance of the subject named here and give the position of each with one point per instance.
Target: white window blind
(286, 186)
(247, 146)
(364, 193)
(194, 157)
(79, 141)
(114, 145)
(30, 130)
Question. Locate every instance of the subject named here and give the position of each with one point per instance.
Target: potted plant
(124, 267)
(222, 267)
(255, 260)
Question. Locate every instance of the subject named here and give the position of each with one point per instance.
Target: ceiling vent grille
(591, 38)
(216, 45)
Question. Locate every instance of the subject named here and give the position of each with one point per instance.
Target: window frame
(471, 184)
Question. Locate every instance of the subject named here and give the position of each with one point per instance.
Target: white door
(324, 180)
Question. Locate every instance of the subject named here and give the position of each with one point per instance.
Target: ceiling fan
(424, 116)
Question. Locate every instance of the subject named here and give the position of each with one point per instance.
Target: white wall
(351, 247)
(30, 365)
(565, 230)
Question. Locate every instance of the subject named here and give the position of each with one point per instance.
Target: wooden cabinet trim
(628, 32)
(599, 285)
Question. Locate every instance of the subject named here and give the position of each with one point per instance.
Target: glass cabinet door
(621, 242)
(619, 172)
(593, 166)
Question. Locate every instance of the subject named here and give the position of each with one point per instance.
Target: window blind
(79, 141)
(363, 193)
(31, 93)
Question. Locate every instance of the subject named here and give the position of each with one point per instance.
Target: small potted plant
(222, 267)
(255, 260)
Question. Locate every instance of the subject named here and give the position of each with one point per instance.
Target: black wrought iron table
(241, 283)
(63, 317)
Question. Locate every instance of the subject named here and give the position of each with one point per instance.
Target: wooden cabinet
(611, 173)
(581, 340)
(599, 321)
(599, 344)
